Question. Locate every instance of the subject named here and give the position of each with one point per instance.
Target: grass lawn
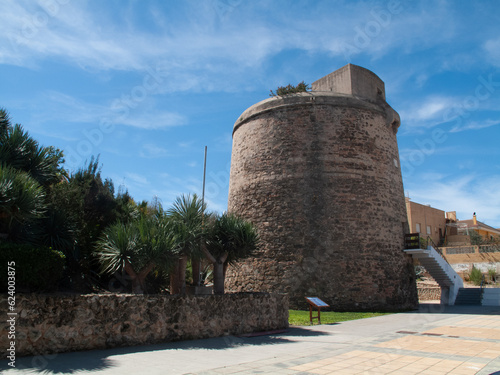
(301, 318)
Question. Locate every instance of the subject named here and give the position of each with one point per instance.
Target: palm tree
(229, 239)
(22, 200)
(186, 215)
(27, 171)
(137, 247)
(20, 151)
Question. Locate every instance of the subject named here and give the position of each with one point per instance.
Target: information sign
(316, 302)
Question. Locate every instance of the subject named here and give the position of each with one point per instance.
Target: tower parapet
(352, 80)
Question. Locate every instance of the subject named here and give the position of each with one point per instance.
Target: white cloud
(475, 125)
(431, 108)
(150, 150)
(454, 112)
(137, 178)
(151, 120)
(60, 107)
(187, 144)
(492, 48)
(206, 51)
(466, 194)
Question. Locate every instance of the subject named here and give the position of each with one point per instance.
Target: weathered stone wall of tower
(318, 173)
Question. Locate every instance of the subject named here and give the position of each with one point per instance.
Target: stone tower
(318, 173)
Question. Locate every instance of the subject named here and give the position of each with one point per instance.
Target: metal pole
(203, 205)
(203, 191)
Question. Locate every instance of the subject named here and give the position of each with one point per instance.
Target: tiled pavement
(434, 340)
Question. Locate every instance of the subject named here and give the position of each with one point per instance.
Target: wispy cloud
(432, 109)
(204, 45)
(475, 125)
(150, 150)
(426, 113)
(137, 178)
(453, 112)
(492, 48)
(465, 194)
(60, 107)
(152, 120)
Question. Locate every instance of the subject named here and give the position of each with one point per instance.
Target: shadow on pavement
(434, 308)
(64, 363)
(95, 360)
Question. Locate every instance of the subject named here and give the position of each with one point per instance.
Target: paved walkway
(434, 340)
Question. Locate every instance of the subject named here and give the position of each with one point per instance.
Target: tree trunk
(182, 273)
(136, 284)
(141, 277)
(196, 265)
(218, 277)
(219, 274)
(174, 280)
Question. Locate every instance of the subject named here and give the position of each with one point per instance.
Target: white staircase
(449, 281)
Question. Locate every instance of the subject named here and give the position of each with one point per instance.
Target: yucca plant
(186, 218)
(229, 239)
(22, 199)
(22, 152)
(137, 247)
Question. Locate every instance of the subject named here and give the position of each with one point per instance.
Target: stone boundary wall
(52, 324)
(429, 294)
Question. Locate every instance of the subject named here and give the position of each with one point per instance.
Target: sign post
(315, 302)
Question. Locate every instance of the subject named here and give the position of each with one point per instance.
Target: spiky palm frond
(156, 237)
(118, 243)
(186, 219)
(4, 121)
(57, 231)
(21, 197)
(231, 235)
(20, 151)
(140, 242)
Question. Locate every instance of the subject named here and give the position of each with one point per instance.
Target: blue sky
(147, 84)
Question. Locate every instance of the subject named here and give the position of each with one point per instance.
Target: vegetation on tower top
(290, 89)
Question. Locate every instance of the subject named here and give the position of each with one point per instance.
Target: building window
(418, 227)
(429, 229)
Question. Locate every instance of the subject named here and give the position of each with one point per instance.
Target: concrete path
(433, 340)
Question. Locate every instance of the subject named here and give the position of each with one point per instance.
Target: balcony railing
(412, 241)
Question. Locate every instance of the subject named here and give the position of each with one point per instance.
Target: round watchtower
(318, 173)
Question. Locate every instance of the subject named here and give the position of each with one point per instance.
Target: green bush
(37, 269)
(492, 273)
(475, 276)
(290, 89)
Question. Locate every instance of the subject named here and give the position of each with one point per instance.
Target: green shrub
(492, 273)
(475, 276)
(290, 89)
(423, 243)
(37, 269)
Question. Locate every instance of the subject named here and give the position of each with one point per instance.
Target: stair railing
(483, 281)
(429, 239)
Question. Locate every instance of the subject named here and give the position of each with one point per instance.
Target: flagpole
(203, 205)
(203, 191)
